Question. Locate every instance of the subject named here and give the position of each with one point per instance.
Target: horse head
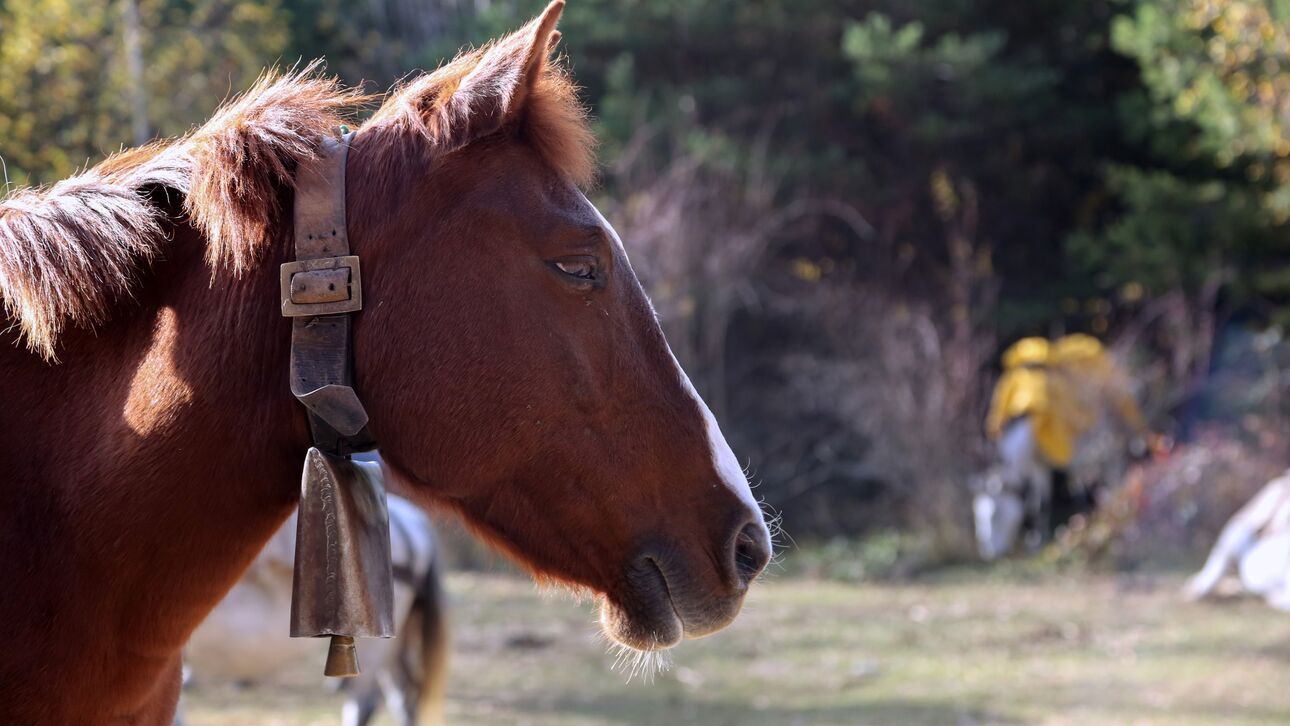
(512, 365)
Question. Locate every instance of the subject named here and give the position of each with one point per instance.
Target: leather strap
(320, 292)
(320, 229)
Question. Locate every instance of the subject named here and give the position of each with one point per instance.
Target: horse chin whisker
(633, 663)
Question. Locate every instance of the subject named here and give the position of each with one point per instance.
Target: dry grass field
(957, 649)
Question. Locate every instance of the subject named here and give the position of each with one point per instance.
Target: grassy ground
(958, 650)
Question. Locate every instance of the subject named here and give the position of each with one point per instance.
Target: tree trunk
(134, 70)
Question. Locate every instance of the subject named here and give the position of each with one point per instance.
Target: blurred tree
(377, 41)
(1197, 223)
(65, 96)
(58, 57)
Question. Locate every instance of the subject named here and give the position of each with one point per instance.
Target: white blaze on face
(723, 458)
(732, 475)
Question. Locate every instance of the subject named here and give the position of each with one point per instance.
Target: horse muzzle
(668, 596)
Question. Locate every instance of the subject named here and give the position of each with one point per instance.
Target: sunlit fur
(249, 151)
(69, 252)
(55, 268)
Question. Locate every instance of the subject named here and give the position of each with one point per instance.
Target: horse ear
(494, 92)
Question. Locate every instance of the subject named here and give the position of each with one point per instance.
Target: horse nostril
(752, 552)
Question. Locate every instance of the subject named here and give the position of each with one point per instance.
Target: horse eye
(581, 269)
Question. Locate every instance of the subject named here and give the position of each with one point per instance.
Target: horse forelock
(71, 251)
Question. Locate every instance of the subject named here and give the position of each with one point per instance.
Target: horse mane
(554, 121)
(70, 251)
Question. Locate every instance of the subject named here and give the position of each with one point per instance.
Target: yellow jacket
(1084, 359)
(1062, 387)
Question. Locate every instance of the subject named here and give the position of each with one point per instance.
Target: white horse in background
(245, 638)
(1256, 540)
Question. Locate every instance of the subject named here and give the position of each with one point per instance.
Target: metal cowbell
(343, 585)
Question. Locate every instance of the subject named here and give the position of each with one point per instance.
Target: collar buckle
(322, 286)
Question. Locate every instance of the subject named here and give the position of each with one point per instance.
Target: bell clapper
(342, 657)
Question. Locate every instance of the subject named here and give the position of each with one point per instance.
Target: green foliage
(64, 91)
(1214, 193)
(52, 116)
(897, 66)
(1172, 233)
(198, 52)
(1221, 65)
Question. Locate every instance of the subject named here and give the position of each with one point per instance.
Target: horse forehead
(599, 219)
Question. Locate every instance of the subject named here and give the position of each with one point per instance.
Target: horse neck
(155, 461)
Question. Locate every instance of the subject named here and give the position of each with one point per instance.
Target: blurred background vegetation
(843, 209)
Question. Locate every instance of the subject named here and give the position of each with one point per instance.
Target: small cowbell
(343, 585)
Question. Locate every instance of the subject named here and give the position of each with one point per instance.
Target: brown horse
(511, 364)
